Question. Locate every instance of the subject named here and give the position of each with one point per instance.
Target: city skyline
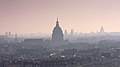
(39, 16)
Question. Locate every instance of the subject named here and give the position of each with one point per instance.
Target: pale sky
(39, 16)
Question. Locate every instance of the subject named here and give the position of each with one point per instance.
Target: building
(101, 30)
(33, 40)
(72, 31)
(57, 35)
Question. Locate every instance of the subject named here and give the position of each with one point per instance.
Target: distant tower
(15, 35)
(10, 33)
(57, 35)
(72, 31)
(6, 33)
(101, 30)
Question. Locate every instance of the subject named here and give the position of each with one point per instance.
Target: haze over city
(59, 33)
(39, 16)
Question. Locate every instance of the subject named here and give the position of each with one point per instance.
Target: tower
(72, 31)
(57, 35)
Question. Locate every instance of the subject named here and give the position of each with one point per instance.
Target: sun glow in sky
(39, 16)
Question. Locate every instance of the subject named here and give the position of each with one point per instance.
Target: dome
(57, 35)
(101, 29)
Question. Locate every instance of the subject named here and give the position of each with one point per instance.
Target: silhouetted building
(57, 35)
(72, 31)
(101, 30)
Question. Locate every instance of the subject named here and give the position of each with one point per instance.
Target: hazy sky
(39, 16)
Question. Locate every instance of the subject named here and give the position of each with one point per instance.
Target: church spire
(57, 22)
(57, 18)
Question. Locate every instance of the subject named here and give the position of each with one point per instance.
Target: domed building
(101, 30)
(57, 35)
